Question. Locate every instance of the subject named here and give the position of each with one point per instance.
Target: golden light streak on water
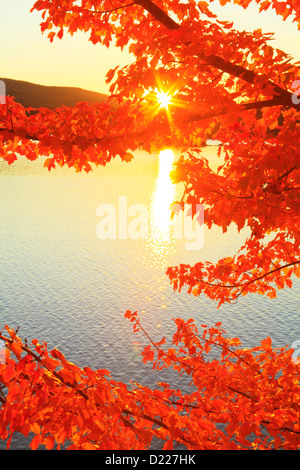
(162, 198)
(160, 245)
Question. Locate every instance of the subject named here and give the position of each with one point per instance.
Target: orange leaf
(35, 442)
(16, 348)
(297, 271)
(266, 343)
(168, 445)
(10, 370)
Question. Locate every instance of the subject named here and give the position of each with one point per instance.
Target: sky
(28, 55)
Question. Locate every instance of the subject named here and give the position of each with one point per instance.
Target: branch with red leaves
(250, 391)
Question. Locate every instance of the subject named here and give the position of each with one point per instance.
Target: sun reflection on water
(160, 244)
(162, 198)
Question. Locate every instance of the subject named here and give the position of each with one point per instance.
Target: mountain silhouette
(36, 96)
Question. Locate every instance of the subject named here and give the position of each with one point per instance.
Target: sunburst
(164, 99)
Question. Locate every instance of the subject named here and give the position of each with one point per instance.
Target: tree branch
(281, 97)
(246, 284)
(158, 14)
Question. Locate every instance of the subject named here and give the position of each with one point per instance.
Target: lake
(62, 283)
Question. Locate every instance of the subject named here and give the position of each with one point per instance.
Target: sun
(163, 99)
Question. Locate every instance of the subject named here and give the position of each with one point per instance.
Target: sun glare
(163, 99)
(163, 196)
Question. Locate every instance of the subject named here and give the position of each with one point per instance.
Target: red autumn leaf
(168, 445)
(16, 348)
(266, 343)
(9, 371)
(35, 442)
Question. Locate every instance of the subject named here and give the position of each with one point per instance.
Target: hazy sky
(28, 55)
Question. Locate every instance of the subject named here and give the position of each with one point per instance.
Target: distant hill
(33, 95)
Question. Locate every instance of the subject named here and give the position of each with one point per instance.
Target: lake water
(62, 284)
